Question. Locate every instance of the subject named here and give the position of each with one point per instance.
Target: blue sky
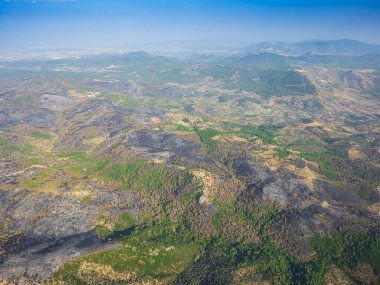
(92, 23)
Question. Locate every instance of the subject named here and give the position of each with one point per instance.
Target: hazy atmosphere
(127, 24)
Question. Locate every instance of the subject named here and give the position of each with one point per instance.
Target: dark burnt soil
(167, 146)
(303, 211)
(97, 118)
(39, 231)
(278, 186)
(115, 86)
(100, 118)
(35, 117)
(55, 102)
(129, 88)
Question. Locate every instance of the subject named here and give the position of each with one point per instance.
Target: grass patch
(87, 198)
(125, 221)
(181, 128)
(103, 232)
(217, 221)
(192, 195)
(40, 135)
(141, 176)
(124, 224)
(86, 163)
(225, 98)
(206, 137)
(130, 103)
(118, 172)
(325, 168)
(133, 176)
(282, 153)
(38, 182)
(258, 216)
(7, 148)
(31, 185)
(133, 260)
(264, 135)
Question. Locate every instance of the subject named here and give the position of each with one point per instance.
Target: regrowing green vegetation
(282, 152)
(133, 260)
(168, 249)
(7, 148)
(135, 175)
(182, 128)
(122, 225)
(348, 248)
(140, 176)
(322, 158)
(262, 134)
(206, 136)
(258, 217)
(40, 135)
(192, 195)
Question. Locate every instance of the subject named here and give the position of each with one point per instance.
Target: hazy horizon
(84, 23)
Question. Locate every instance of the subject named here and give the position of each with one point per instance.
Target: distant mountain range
(323, 47)
(317, 51)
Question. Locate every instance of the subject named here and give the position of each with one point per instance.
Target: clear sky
(82, 23)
